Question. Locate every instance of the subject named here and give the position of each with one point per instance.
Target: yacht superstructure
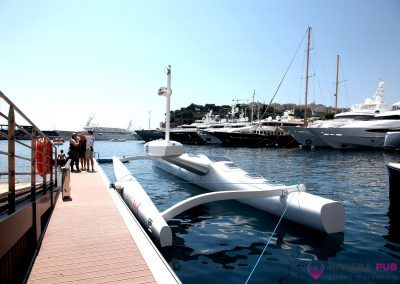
(102, 133)
(360, 133)
(359, 112)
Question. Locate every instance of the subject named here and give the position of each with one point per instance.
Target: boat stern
(332, 217)
(162, 148)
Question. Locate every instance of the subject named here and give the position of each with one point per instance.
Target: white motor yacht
(103, 133)
(359, 112)
(360, 133)
(263, 133)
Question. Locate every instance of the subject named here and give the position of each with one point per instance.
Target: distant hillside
(189, 114)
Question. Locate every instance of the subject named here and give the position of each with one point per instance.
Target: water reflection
(300, 242)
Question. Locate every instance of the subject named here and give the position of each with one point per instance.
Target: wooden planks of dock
(87, 241)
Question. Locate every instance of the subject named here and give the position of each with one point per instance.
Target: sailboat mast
(168, 95)
(252, 106)
(308, 61)
(337, 82)
(149, 118)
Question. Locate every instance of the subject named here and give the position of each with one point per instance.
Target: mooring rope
(269, 239)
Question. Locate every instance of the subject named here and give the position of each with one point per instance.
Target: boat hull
(102, 136)
(350, 138)
(184, 137)
(305, 137)
(312, 211)
(209, 138)
(236, 139)
(141, 205)
(150, 135)
(187, 137)
(394, 181)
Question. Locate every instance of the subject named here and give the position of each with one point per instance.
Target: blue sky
(107, 58)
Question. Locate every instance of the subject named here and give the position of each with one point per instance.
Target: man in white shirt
(89, 149)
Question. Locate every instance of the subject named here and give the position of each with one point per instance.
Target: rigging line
(318, 80)
(312, 84)
(318, 56)
(344, 81)
(287, 70)
(269, 239)
(301, 90)
(318, 76)
(323, 98)
(297, 80)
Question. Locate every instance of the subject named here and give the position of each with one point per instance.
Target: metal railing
(25, 208)
(49, 180)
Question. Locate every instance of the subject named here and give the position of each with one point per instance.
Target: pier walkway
(88, 240)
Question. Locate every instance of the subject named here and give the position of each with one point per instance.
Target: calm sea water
(221, 241)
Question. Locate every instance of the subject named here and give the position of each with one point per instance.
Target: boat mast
(168, 95)
(166, 92)
(337, 82)
(149, 118)
(252, 106)
(308, 61)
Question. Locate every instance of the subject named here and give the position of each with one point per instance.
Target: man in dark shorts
(89, 149)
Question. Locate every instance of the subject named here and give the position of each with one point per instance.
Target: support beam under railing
(11, 161)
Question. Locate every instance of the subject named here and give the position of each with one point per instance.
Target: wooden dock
(93, 239)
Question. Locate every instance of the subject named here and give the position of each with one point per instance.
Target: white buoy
(141, 205)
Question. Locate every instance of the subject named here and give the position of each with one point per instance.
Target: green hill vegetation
(193, 112)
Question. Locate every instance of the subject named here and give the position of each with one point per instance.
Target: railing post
(35, 222)
(44, 166)
(11, 161)
(55, 166)
(33, 164)
(51, 166)
(51, 175)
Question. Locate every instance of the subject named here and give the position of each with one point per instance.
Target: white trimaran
(226, 180)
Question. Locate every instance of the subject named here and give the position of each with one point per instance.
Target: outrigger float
(226, 180)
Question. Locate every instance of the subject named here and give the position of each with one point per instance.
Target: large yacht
(199, 132)
(359, 112)
(102, 133)
(264, 133)
(186, 133)
(360, 133)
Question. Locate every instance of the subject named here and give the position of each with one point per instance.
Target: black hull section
(189, 138)
(150, 135)
(256, 140)
(20, 135)
(394, 181)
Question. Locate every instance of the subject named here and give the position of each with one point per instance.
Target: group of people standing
(81, 150)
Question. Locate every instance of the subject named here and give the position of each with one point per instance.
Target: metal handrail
(22, 114)
(23, 144)
(22, 129)
(11, 155)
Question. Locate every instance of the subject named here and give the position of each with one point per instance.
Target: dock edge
(158, 266)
